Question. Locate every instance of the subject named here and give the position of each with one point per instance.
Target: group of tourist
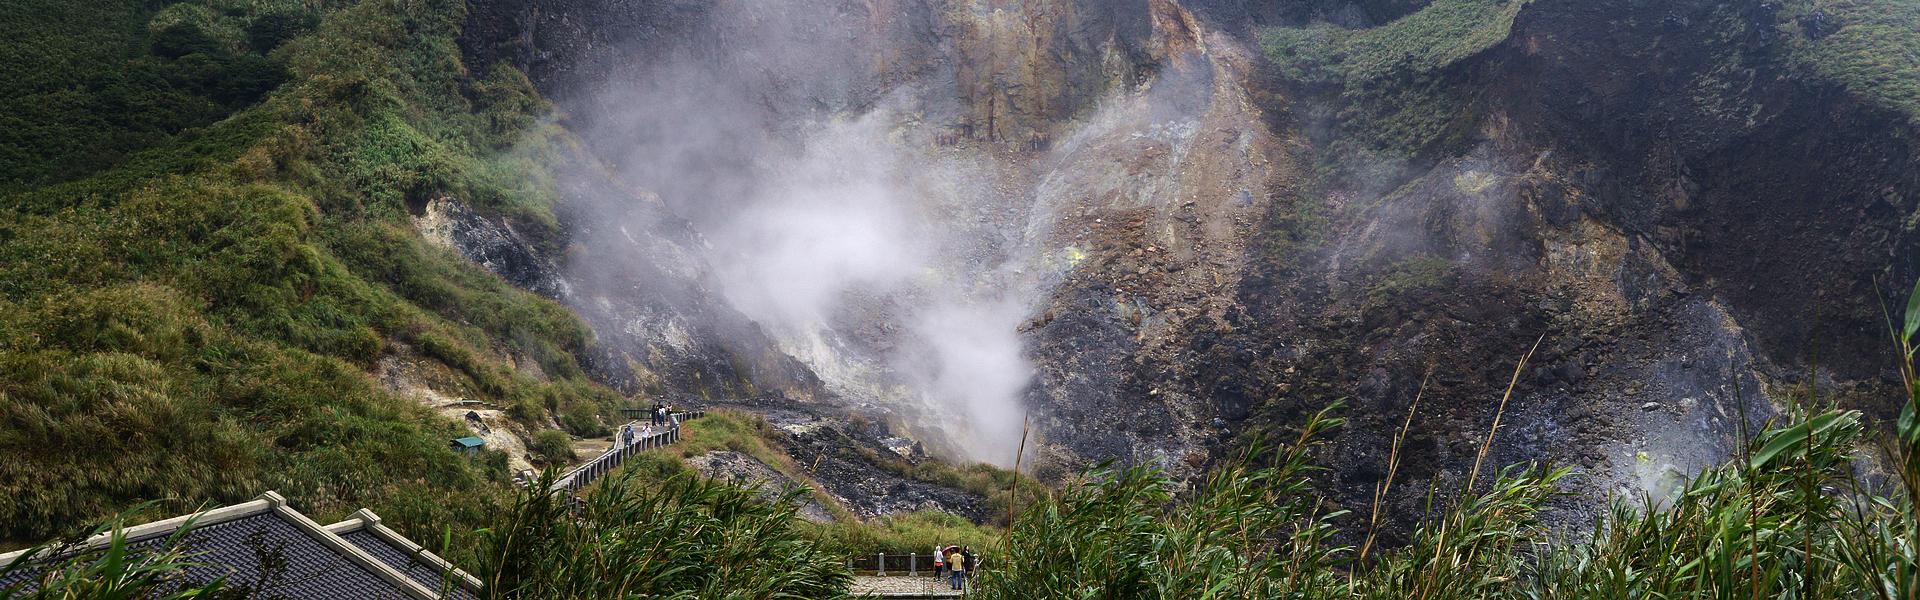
(952, 562)
(661, 416)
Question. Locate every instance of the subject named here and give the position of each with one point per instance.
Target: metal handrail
(882, 564)
(590, 471)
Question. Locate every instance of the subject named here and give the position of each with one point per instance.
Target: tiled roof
(365, 531)
(265, 547)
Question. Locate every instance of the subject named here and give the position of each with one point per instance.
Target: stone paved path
(902, 587)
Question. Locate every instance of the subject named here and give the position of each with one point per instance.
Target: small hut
(469, 445)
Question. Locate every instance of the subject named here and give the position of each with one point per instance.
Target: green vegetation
(1788, 520)
(914, 532)
(737, 431)
(85, 84)
(1430, 39)
(205, 247)
(747, 434)
(984, 480)
(679, 538)
(1408, 276)
(1790, 517)
(1386, 87)
(552, 447)
(1873, 48)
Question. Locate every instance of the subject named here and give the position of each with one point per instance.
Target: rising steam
(867, 253)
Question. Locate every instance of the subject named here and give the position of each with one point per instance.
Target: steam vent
(1004, 299)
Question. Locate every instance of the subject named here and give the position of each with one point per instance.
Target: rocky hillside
(300, 246)
(1219, 216)
(1151, 231)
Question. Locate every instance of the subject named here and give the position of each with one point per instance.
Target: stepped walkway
(582, 476)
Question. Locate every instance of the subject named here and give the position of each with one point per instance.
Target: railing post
(913, 564)
(883, 566)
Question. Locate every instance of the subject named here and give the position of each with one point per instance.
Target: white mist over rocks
(879, 260)
(846, 255)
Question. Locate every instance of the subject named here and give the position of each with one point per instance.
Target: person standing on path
(957, 563)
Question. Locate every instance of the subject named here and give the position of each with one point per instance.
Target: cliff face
(1215, 217)
(1688, 220)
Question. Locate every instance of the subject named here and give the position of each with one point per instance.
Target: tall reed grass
(1795, 515)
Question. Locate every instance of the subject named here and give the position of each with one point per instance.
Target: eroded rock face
(748, 472)
(491, 243)
(1650, 195)
(658, 328)
(1645, 191)
(1160, 195)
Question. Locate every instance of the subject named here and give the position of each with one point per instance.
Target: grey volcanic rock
(1648, 190)
(659, 326)
(746, 471)
(860, 462)
(1678, 220)
(491, 243)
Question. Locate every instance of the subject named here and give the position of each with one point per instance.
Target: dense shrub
(552, 447)
(205, 249)
(678, 538)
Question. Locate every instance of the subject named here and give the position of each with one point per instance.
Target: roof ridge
(366, 519)
(341, 545)
(147, 531)
(270, 502)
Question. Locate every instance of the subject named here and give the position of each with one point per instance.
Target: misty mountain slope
(1206, 221)
(1663, 198)
(275, 244)
(896, 223)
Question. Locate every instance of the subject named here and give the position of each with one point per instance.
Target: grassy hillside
(205, 247)
(1870, 46)
(1385, 88)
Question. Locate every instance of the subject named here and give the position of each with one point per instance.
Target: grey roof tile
(270, 551)
(409, 562)
(269, 557)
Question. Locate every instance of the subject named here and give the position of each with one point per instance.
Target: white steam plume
(881, 263)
